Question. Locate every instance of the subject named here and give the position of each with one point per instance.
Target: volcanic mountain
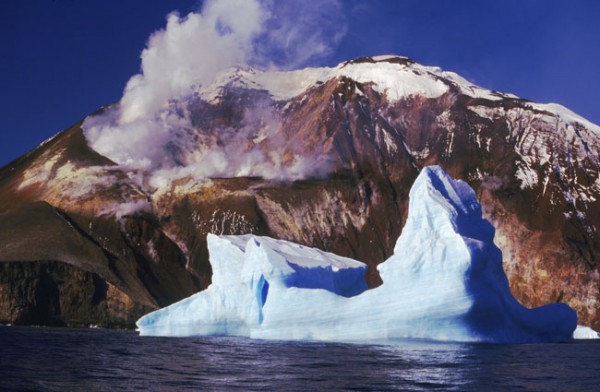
(97, 227)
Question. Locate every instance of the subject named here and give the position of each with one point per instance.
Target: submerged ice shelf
(444, 281)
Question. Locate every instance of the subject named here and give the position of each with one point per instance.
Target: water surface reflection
(96, 360)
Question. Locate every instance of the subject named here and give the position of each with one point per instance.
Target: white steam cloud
(298, 32)
(153, 128)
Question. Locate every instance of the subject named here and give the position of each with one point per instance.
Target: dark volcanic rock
(57, 294)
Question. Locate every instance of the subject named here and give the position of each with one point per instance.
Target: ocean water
(47, 359)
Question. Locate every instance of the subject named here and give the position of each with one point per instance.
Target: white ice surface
(583, 332)
(445, 281)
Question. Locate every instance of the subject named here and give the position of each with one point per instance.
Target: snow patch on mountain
(468, 88)
(395, 81)
(40, 173)
(128, 208)
(388, 77)
(565, 114)
(551, 141)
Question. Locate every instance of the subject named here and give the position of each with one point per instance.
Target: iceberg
(583, 333)
(248, 272)
(445, 281)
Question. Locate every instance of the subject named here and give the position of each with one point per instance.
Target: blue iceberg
(444, 282)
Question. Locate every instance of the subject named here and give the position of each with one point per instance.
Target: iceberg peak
(445, 281)
(444, 219)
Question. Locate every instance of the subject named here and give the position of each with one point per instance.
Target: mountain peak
(395, 76)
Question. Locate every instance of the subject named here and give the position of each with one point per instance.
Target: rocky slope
(323, 157)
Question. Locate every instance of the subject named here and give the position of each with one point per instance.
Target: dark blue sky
(61, 60)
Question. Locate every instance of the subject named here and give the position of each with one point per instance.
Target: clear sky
(61, 60)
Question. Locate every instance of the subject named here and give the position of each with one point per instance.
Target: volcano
(107, 221)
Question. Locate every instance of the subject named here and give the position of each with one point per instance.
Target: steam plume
(152, 126)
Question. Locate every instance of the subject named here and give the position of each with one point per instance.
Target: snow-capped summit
(396, 77)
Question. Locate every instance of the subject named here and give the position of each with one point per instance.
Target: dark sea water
(45, 359)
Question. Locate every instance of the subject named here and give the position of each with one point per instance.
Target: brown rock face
(58, 294)
(86, 241)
